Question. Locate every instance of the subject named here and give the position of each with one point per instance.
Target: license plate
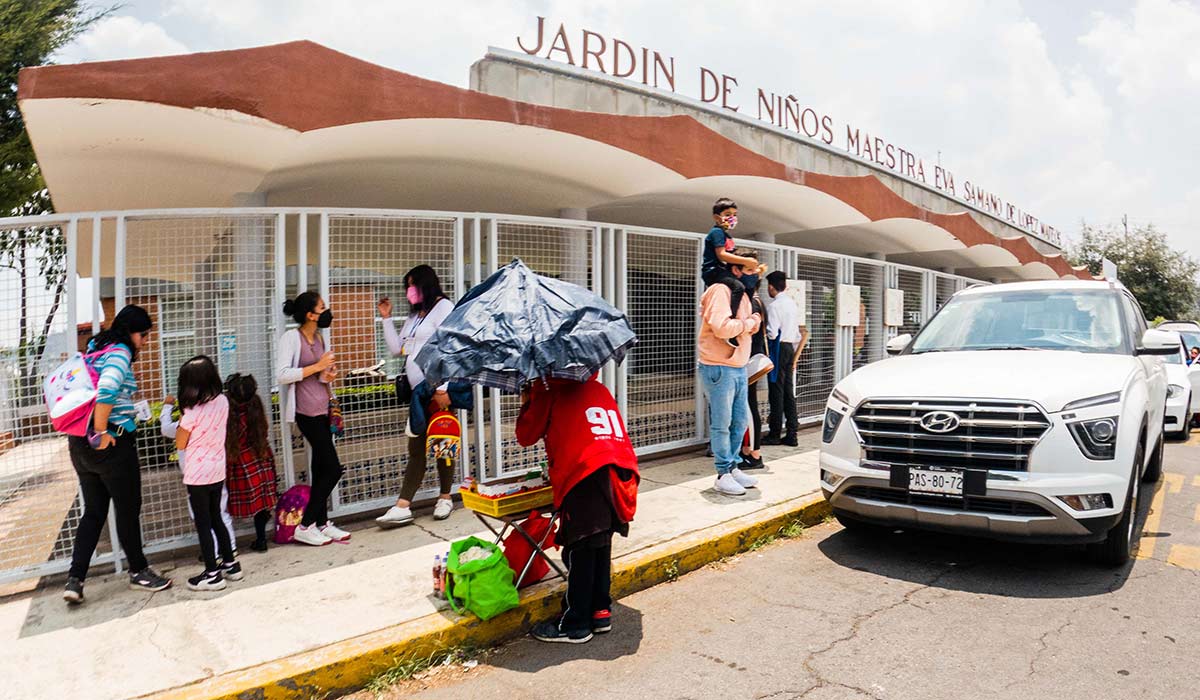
(948, 482)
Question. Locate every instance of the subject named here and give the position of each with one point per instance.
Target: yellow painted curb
(350, 664)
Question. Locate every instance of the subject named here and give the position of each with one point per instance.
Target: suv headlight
(1096, 438)
(1093, 401)
(1174, 390)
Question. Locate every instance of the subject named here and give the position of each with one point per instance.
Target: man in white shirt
(783, 326)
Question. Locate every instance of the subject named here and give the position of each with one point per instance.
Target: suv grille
(969, 504)
(965, 434)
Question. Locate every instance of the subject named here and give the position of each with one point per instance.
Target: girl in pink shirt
(202, 433)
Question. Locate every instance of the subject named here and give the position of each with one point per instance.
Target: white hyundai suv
(1026, 411)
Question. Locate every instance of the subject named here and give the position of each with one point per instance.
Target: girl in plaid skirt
(250, 464)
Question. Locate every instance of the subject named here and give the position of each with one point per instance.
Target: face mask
(750, 281)
(414, 295)
(325, 319)
(730, 221)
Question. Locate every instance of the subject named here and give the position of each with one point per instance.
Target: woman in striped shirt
(107, 462)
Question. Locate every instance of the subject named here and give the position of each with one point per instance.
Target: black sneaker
(148, 580)
(549, 632)
(791, 441)
(259, 545)
(749, 462)
(602, 621)
(73, 593)
(232, 571)
(207, 581)
(772, 440)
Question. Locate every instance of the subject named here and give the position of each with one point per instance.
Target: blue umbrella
(517, 327)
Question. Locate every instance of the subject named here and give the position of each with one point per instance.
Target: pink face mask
(731, 221)
(414, 295)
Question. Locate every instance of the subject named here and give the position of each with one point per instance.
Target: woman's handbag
(403, 390)
(758, 367)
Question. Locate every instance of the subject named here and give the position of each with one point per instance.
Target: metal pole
(497, 432)
(97, 307)
(476, 278)
(284, 432)
(118, 304)
(621, 263)
(302, 255)
(459, 292)
(698, 392)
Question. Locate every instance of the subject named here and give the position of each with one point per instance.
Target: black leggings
(112, 474)
(737, 290)
(325, 471)
(206, 510)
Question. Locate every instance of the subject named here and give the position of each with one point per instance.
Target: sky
(1074, 111)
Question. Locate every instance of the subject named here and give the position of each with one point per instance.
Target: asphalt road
(892, 615)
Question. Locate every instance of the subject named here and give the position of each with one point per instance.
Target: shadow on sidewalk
(527, 655)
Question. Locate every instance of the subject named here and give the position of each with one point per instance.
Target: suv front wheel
(1117, 547)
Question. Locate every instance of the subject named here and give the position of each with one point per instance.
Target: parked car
(1028, 411)
(1189, 331)
(1183, 391)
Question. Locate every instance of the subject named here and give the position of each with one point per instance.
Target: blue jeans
(728, 412)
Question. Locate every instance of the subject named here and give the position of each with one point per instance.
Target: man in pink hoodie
(723, 376)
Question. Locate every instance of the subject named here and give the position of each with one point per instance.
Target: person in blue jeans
(723, 377)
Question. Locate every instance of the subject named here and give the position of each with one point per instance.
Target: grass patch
(406, 668)
(672, 571)
(760, 543)
(793, 529)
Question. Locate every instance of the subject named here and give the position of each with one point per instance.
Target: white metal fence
(215, 280)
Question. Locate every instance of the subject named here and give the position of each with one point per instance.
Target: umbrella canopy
(517, 327)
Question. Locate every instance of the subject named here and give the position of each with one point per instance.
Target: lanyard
(412, 333)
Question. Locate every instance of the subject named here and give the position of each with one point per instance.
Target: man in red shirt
(594, 475)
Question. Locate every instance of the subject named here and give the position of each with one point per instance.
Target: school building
(210, 187)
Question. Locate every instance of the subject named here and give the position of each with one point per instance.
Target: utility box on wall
(893, 307)
(849, 298)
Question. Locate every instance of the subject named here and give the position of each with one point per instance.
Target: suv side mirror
(896, 345)
(1156, 342)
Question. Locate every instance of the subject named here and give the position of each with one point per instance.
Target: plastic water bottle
(437, 575)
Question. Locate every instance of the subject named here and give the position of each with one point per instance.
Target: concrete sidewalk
(299, 602)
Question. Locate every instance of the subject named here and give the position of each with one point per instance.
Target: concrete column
(947, 270)
(876, 256)
(251, 281)
(575, 259)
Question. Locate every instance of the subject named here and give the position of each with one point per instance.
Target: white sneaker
(335, 533)
(443, 508)
(310, 535)
(729, 486)
(744, 480)
(395, 516)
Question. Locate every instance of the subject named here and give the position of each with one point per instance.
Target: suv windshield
(1064, 319)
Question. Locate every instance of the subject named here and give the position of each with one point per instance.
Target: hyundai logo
(939, 421)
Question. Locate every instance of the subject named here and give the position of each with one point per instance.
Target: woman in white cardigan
(429, 308)
(304, 373)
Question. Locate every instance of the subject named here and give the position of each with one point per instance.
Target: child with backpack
(250, 473)
(594, 475)
(202, 433)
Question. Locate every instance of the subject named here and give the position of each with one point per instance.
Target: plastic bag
(484, 587)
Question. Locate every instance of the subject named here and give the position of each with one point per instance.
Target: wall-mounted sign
(798, 291)
(593, 51)
(849, 304)
(893, 307)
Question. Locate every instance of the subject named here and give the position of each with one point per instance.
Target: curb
(350, 664)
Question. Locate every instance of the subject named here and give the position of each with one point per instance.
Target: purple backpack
(289, 511)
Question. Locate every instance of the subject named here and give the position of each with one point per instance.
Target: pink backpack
(70, 392)
(289, 511)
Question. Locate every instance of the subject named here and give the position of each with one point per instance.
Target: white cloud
(121, 36)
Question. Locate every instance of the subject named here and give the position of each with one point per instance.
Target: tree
(1164, 280)
(31, 31)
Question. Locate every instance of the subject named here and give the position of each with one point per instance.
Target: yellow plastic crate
(507, 505)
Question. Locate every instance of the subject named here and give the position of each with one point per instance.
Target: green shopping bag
(485, 586)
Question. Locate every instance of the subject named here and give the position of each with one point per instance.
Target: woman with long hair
(106, 462)
(428, 308)
(305, 371)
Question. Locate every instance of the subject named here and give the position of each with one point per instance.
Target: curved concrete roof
(308, 125)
